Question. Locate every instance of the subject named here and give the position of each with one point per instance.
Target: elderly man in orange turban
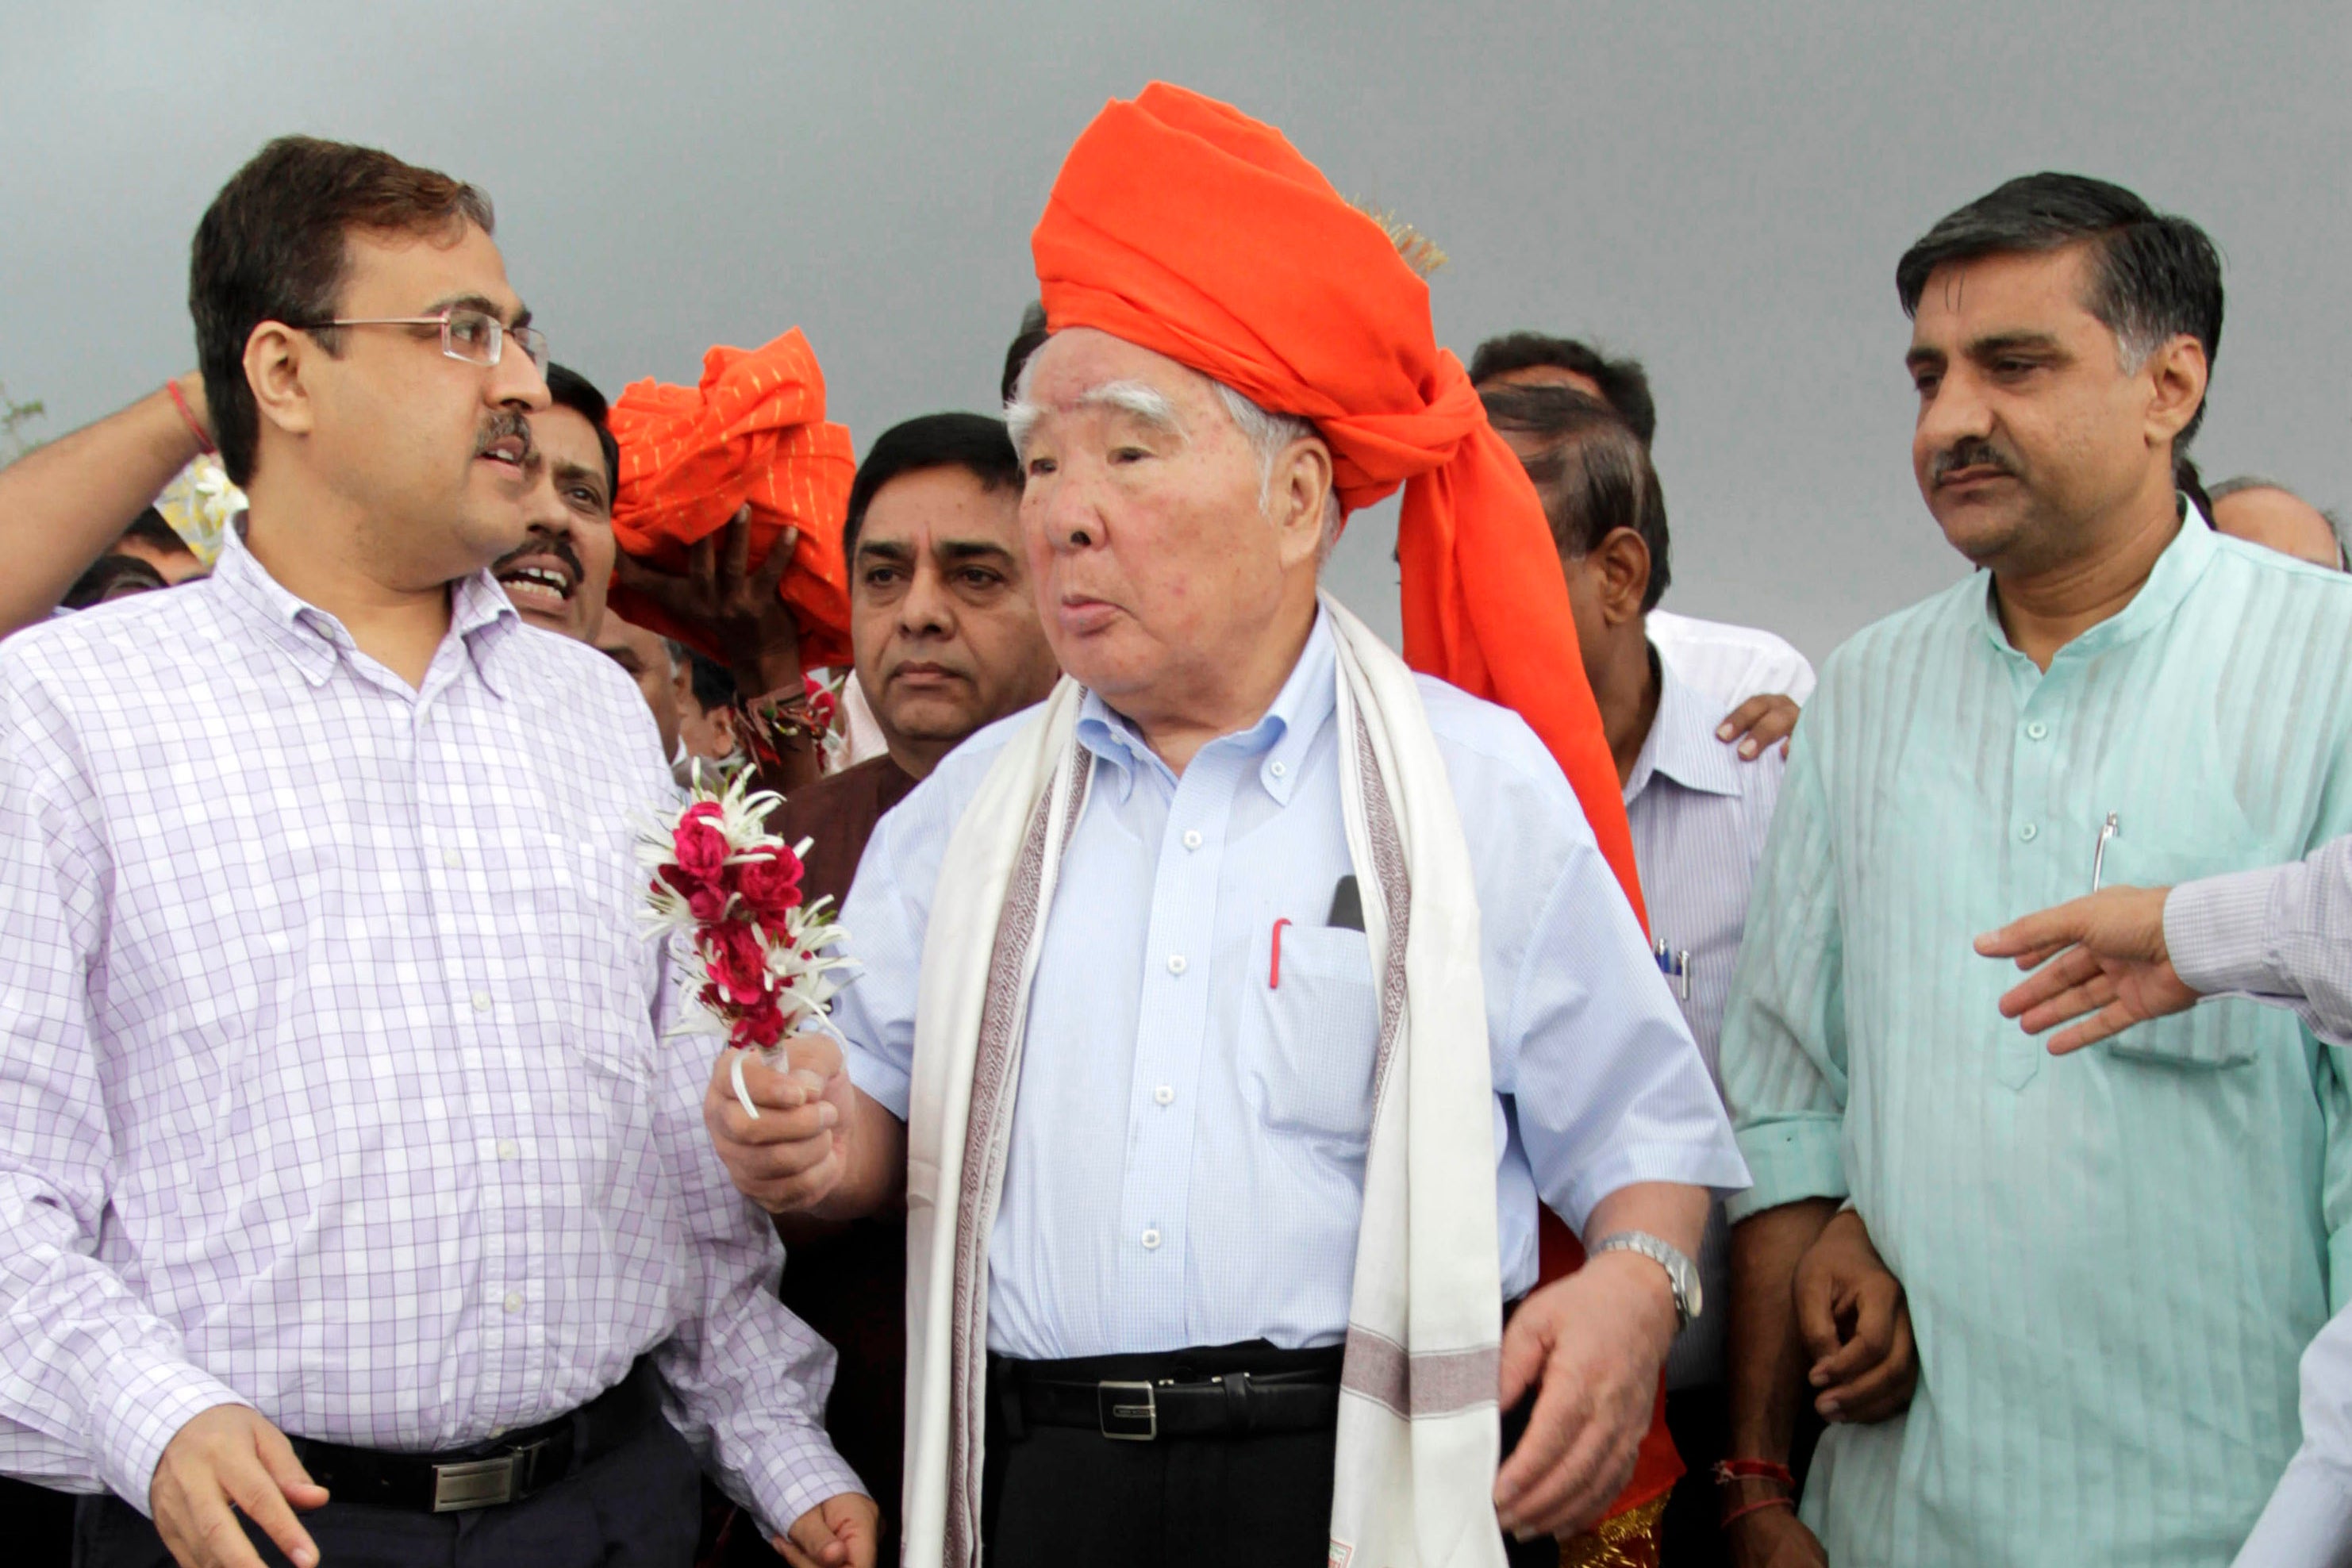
(1226, 1018)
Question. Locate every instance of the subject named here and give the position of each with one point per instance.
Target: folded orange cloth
(1180, 225)
(755, 431)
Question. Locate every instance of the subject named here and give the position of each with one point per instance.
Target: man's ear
(1302, 482)
(274, 358)
(2178, 373)
(1624, 563)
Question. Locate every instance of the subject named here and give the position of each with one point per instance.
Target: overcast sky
(1719, 189)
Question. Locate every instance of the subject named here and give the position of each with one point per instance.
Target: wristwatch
(1681, 1272)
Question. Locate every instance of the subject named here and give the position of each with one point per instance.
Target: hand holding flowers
(767, 962)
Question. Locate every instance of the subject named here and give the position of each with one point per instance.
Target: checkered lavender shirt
(330, 1076)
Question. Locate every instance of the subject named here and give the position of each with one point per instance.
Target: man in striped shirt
(2114, 1259)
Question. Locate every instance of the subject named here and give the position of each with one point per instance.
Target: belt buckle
(476, 1483)
(1120, 1418)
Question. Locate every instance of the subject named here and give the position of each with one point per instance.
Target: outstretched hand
(2103, 955)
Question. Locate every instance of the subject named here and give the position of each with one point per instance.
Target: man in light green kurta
(2113, 1259)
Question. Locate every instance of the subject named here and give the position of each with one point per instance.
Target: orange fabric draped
(755, 431)
(1183, 226)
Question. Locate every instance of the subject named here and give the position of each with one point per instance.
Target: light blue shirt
(1188, 1145)
(2113, 1259)
(1699, 816)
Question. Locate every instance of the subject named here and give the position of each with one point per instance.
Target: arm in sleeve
(1784, 1047)
(2282, 934)
(886, 914)
(92, 1367)
(1607, 1086)
(2309, 1516)
(749, 1377)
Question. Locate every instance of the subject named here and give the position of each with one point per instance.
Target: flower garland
(769, 963)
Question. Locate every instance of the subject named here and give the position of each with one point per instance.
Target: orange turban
(1184, 226)
(753, 431)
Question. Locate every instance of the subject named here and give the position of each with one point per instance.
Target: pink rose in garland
(763, 962)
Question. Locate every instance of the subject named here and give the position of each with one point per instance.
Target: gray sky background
(1721, 189)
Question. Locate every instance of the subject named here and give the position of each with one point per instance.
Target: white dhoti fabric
(1418, 1429)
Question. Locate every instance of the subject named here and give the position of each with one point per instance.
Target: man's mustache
(503, 425)
(540, 544)
(1973, 453)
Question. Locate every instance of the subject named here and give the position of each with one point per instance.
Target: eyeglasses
(473, 336)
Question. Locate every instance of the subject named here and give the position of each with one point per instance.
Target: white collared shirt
(1726, 663)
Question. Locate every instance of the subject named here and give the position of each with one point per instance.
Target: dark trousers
(1688, 1535)
(637, 1507)
(1065, 1497)
(37, 1524)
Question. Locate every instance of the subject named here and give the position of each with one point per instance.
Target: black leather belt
(1188, 1403)
(507, 1468)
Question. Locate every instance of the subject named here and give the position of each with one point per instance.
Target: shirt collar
(312, 640)
(2176, 571)
(1682, 743)
(1279, 740)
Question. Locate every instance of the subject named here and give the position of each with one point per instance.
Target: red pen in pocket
(1274, 972)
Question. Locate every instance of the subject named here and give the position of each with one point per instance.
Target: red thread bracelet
(1744, 1510)
(203, 442)
(1728, 1472)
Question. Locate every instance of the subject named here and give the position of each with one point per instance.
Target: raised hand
(748, 621)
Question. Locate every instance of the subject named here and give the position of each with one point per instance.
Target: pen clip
(2099, 854)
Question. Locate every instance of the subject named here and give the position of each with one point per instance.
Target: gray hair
(1270, 435)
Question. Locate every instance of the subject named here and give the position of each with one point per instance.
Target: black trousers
(1065, 1497)
(1689, 1535)
(638, 1507)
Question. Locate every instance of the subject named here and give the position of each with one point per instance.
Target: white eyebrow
(1146, 404)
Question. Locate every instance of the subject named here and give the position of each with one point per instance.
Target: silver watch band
(1681, 1274)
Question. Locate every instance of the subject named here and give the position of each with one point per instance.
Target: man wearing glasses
(343, 1171)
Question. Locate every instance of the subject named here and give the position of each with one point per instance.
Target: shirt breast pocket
(1313, 1036)
(571, 906)
(2152, 848)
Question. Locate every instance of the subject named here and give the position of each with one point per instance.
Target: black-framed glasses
(470, 334)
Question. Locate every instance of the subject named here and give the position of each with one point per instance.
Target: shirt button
(514, 1302)
(2036, 730)
(1192, 838)
(507, 1150)
(481, 1001)
(1150, 1241)
(1164, 1094)
(2025, 834)
(1175, 964)
(1278, 769)
(451, 858)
